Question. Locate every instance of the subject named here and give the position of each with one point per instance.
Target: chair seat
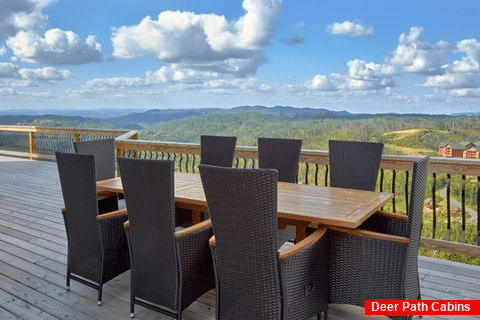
(287, 234)
(286, 245)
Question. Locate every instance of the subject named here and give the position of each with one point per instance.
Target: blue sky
(408, 56)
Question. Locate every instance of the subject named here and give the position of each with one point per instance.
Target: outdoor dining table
(298, 204)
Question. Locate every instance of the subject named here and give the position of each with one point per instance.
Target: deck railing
(451, 228)
(41, 143)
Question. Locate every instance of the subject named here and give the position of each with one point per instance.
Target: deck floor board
(33, 261)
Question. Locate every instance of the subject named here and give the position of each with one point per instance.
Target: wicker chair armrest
(207, 224)
(372, 235)
(388, 223)
(114, 241)
(196, 261)
(304, 244)
(212, 242)
(304, 272)
(109, 215)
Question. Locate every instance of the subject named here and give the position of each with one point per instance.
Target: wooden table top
(311, 204)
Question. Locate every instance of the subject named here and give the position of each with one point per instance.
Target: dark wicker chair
(253, 280)
(354, 164)
(280, 154)
(380, 259)
(104, 152)
(217, 150)
(97, 245)
(170, 269)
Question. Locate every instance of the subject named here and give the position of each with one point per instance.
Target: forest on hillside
(402, 135)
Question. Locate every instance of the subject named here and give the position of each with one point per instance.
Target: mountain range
(134, 119)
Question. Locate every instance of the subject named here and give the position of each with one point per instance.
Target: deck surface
(33, 261)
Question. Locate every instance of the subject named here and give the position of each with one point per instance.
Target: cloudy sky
(377, 56)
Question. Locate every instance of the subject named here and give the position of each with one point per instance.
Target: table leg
(300, 232)
(300, 227)
(196, 216)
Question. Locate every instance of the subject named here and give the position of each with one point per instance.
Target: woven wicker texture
(104, 152)
(365, 268)
(251, 283)
(97, 250)
(217, 150)
(166, 271)
(280, 154)
(354, 164)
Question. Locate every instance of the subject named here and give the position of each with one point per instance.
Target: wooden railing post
(31, 144)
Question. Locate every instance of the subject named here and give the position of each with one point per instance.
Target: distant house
(460, 150)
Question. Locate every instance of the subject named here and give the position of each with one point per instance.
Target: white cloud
(368, 75)
(454, 81)
(417, 56)
(117, 82)
(465, 93)
(114, 86)
(470, 62)
(361, 69)
(57, 47)
(16, 15)
(8, 70)
(461, 76)
(44, 74)
(361, 76)
(322, 82)
(44, 95)
(351, 29)
(203, 41)
(5, 91)
(12, 76)
(176, 73)
(249, 85)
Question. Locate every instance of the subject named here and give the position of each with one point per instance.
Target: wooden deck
(33, 260)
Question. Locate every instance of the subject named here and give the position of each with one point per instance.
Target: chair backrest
(280, 154)
(243, 207)
(414, 226)
(149, 196)
(104, 152)
(354, 164)
(217, 150)
(77, 179)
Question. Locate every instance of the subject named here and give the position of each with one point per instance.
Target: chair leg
(132, 307)
(68, 281)
(99, 299)
(319, 315)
